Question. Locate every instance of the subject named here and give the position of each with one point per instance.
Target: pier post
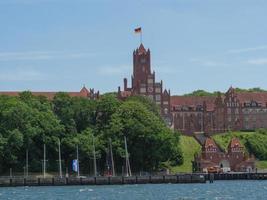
(81, 181)
(136, 179)
(122, 180)
(163, 178)
(109, 180)
(53, 181)
(10, 182)
(150, 179)
(211, 177)
(24, 182)
(67, 181)
(38, 180)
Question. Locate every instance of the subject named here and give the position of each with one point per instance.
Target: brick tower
(143, 83)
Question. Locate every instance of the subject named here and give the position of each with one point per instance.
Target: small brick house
(234, 159)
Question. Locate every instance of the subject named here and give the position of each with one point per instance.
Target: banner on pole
(75, 165)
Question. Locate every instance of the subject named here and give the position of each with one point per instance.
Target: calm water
(218, 190)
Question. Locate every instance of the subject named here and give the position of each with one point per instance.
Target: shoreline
(121, 180)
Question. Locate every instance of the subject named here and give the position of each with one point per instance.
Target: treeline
(27, 122)
(203, 93)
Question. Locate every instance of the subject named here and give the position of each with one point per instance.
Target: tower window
(143, 60)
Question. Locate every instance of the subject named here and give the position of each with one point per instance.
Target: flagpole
(59, 159)
(27, 162)
(44, 161)
(112, 160)
(95, 170)
(78, 168)
(127, 162)
(141, 36)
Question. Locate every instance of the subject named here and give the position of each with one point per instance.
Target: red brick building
(143, 83)
(189, 114)
(84, 92)
(234, 159)
(230, 111)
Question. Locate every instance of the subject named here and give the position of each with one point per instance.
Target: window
(151, 97)
(166, 103)
(165, 110)
(143, 60)
(158, 97)
(158, 90)
(143, 90)
(150, 81)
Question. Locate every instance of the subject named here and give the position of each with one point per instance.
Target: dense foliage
(203, 93)
(27, 122)
(255, 142)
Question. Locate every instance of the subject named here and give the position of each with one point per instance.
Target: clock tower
(143, 83)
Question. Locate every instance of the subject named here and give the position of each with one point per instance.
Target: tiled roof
(50, 95)
(193, 101)
(209, 143)
(260, 97)
(235, 143)
(125, 94)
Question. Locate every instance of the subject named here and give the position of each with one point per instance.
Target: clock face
(150, 89)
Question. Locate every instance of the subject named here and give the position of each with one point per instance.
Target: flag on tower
(138, 30)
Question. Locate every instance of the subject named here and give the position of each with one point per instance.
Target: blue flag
(75, 165)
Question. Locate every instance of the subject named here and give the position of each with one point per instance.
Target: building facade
(232, 111)
(143, 82)
(234, 159)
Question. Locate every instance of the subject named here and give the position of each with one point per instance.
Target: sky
(61, 45)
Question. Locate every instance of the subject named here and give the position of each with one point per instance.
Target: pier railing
(159, 179)
(31, 181)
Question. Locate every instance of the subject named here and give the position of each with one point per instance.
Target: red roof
(193, 101)
(260, 97)
(50, 95)
(125, 94)
(209, 143)
(235, 143)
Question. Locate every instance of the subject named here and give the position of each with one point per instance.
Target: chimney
(125, 84)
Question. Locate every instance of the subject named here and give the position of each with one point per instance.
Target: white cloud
(114, 70)
(22, 75)
(209, 63)
(42, 55)
(244, 50)
(260, 61)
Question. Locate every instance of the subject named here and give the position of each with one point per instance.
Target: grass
(224, 139)
(261, 164)
(189, 147)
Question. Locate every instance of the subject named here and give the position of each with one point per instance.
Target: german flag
(138, 30)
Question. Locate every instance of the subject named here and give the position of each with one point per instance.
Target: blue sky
(51, 45)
